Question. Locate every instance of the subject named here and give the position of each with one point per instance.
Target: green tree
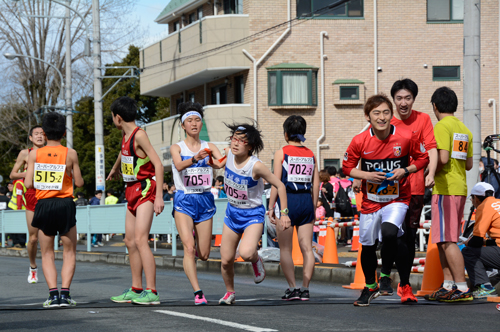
(150, 109)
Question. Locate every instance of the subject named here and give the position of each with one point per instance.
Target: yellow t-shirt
(452, 135)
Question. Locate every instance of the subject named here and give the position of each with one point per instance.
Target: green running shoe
(147, 297)
(127, 296)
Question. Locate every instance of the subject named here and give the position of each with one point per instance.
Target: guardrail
(110, 219)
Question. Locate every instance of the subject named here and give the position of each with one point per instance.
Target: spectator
(10, 187)
(219, 184)
(214, 190)
(18, 202)
(479, 253)
(320, 211)
(326, 193)
(334, 180)
(81, 200)
(111, 199)
(483, 176)
(166, 195)
(344, 181)
(171, 190)
(4, 200)
(96, 200)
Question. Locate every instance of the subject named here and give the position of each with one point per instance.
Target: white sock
(448, 284)
(462, 286)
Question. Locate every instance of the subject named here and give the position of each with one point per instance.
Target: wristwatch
(193, 160)
(406, 172)
(284, 212)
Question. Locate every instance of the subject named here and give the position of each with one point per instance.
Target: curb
(330, 273)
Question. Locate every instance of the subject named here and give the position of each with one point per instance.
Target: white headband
(188, 114)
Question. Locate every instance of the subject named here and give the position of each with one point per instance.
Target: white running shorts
(370, 225)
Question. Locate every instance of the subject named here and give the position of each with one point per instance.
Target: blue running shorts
(300, 208)
(239, 219)
(200, 207)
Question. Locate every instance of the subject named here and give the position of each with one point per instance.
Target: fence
(110, 219)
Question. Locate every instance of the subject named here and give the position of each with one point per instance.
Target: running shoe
(229, 298)
(367, 295)
(291, 295)
(67, 301)
(100, 244)
(481, 292)
(52, 302)
(434, 295)
(126, 297)
(147, 297)
(406, 293)
(259, 273)
(33, 276)
(200, 300)
(385, 286)
(304, 295)
(455, 295)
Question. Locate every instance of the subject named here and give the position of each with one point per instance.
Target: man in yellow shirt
(454, 144)
(481, 253)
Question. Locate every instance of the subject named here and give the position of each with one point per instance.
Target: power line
(260, 34)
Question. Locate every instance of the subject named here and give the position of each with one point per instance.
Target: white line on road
(216, 321)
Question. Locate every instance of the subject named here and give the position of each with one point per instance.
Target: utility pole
(100, 171)
(472, 84)
(69, 107)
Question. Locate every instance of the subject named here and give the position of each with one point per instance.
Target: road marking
(216, 321)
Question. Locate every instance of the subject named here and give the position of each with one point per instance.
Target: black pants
(478, 259)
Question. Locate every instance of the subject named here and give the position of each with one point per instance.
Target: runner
(245, 212)
(53, 169)
(454, 143)
(384, 151)
(296, 166)
(36, 137)
(194, 204)
(403, 93)
(141, 169)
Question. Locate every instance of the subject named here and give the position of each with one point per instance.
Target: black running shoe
(367, 295)
(52, 302)
(304, 295)
(67, 301)
(291, 295)
(385, 286)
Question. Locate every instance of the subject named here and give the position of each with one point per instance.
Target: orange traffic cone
(493, 299)
(355, 239)
(433, 273)
(322, 234)
(359, 276)
(218, 239)
(296, 253)
(330, 255)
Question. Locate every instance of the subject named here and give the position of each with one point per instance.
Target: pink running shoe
(259, 273)
(200, 300)
(229, 298)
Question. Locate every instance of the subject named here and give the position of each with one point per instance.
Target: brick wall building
(207, 58)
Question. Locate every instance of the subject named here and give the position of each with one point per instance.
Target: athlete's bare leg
(285, 239)
(33, 239)
(133, 252)
(48, 265)
(229, 243)
(305, 233)
(143, 221)
(203, 232)
(69, 257)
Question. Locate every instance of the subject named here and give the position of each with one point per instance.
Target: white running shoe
(259, 273)
(229, 298)
(33, 276)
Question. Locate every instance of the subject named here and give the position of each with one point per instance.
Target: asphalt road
(258, 307)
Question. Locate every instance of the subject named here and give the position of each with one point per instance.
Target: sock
(303, 289)
(65, 291)
(54, 292)
(198, 293)
(462, 286)
(488, 286)
(33, 268)
(448, 284)
(372, 286)
(153, 291)
(137, 290)
(382, 274)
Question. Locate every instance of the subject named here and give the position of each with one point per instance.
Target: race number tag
(128, 169)
(49, 176)
(300, 169)
(388, 194)
(237, 194)
(460, 146)
(197, 179)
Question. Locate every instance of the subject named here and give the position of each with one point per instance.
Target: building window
(332, 162)
(445, 10)
(233, 6)
(177, 26)
(192, 17)
(292, 88)
(349, 92)
(318, 9)
(200, 13)
(446, 73)
(219, 95)
(239, 90)
(191, 97)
